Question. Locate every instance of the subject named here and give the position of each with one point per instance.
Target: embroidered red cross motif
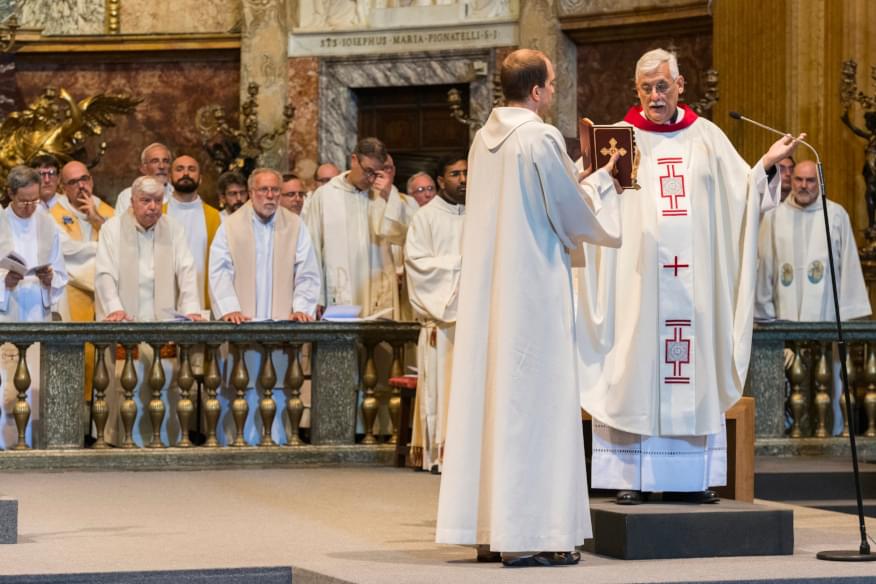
(672, 188)
(675, 266)
(677, 352)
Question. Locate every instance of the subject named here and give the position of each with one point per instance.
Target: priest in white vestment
(154, 161)
(262, 267)
(794, 276)
(433, 259)
(665, 349)
(144, 273)
(514, 479)
(29, 231)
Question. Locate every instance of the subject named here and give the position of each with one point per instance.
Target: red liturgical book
(598, 143)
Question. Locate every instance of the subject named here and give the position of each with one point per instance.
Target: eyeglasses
(86, 178)
(51, 173)
(323, 180)
(426, 189)
(265, 190)
(369, 172)
(26, 204)
(290, 194)
(662, 88)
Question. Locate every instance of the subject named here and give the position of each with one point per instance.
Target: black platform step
(277, 575)
(677, 530)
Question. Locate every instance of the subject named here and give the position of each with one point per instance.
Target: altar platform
(349, 524)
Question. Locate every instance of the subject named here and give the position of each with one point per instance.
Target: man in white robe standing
(514, 480)
(144, 272)
(154, 161)
(262, 267)
(433, 260)
(29, 231)
(794, 276)
(669, 352)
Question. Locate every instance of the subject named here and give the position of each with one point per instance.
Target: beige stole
(241, 245)
(164, 286)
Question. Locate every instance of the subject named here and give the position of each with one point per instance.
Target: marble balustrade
(341, 361)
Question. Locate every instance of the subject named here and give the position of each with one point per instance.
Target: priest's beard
(185, 185)
(234, 207)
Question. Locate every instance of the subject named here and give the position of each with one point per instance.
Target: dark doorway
(415, 124)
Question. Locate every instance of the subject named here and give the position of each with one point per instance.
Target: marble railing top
(71, 333)
(859, 330)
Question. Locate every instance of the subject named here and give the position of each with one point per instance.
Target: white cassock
(397, 215)
(433, 258)
(123, 199)
(356, 269)
(191, 215)
(38, 241)
(667, 353)
(514, 474)
(794, 276)
(153, 253)
(304, 297)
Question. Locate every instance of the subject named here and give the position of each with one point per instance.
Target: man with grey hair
(32, 284)
(669, 353)
(421, 187)
(144, 272)
(263, 267)
(154, 161)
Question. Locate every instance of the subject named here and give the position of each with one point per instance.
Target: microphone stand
(862, 554)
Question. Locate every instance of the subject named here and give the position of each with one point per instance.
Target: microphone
(863, 551)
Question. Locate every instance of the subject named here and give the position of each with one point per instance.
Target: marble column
(540, 29)
(263, 59)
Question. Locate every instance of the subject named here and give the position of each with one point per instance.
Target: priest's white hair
(653, 59)
(148, 185)
(416, 176)
(143, 159)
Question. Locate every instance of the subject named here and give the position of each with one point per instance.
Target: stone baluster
(185, 408)
(21, 411)
(267, 406)
(822, 378)
(129, 406)
(99, 409)
(212, 380)
(239, 407)
(293, 381)
(870, 380)
(852, 379)
(369, 403)
(395, 398)
(797, 401)
(156, 406)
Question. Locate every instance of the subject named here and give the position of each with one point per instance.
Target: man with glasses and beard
(26, 296)
(793, 281)
(233, 193)
(199, 220)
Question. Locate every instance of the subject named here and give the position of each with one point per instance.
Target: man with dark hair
(452, 174)
(27, 296)
(344, 221)
(293, 197)
(233, 193)
(786, 170)
(513, 478)
(50, 172)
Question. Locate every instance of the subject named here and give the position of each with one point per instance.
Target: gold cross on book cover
(599, 143)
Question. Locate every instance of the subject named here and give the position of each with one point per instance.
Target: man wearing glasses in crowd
(293, 196)
(49, 170)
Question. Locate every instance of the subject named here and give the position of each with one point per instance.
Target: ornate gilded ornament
(454, 100)
(815, 272)
(710, 96)
(239, 149)
(787, 274)
(59, 125)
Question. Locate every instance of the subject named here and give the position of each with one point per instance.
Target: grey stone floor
(354, 524)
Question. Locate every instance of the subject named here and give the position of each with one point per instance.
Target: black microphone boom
(863, 553)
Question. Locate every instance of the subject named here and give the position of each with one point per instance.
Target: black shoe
(629, 498)
(544, 559)
(485, 555)
(697, 497)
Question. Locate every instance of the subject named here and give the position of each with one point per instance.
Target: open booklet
(350, 313)
(15, 263)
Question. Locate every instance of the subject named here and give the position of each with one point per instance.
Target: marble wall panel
(604, 7)
(606, 72)
(338, 77)
(303, 137)
(179, 16)
(63, 17)
(173, 89)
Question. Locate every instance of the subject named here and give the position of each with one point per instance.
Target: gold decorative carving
(113, 20)
(238, 149)
(710, 93)
(57, 124)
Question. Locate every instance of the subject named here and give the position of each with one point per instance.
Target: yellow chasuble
(79, 300)
(212, 219)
